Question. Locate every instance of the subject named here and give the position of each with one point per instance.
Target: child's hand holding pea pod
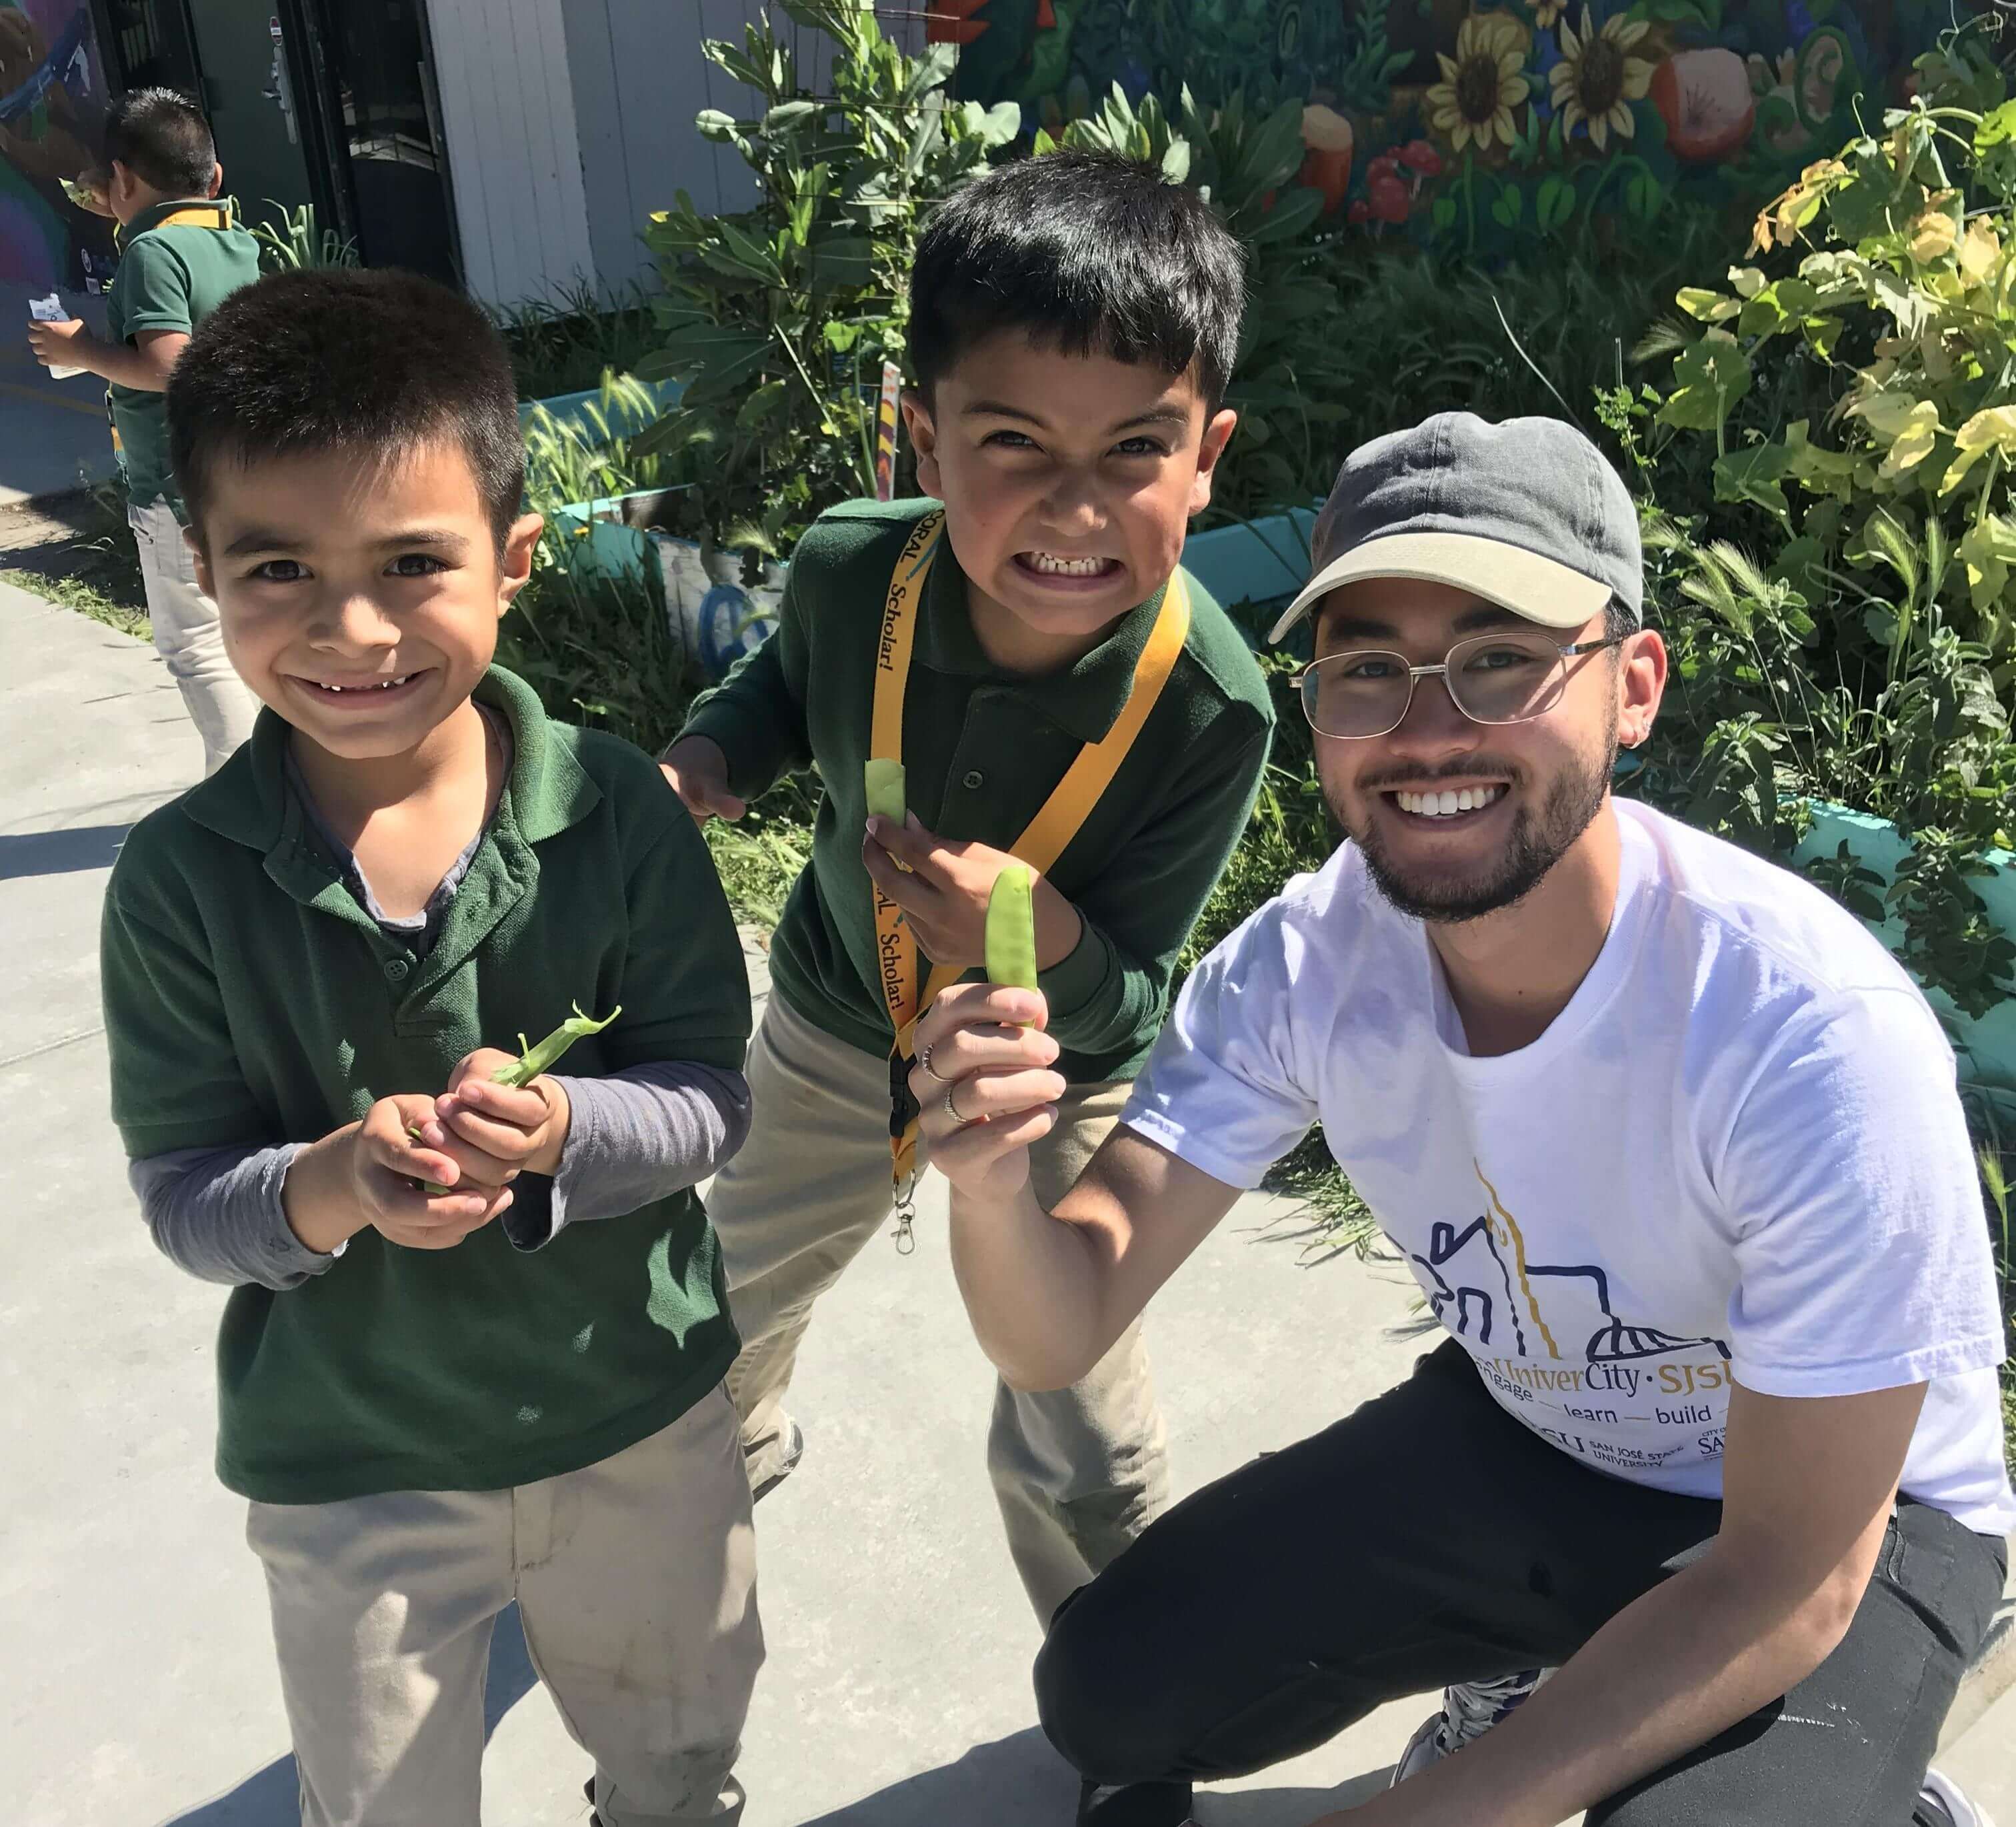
(498, 1128)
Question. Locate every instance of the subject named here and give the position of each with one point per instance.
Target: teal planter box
(1257, 561)
(1987, 1047)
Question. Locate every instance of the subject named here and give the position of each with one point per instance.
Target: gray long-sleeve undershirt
(633, 1137)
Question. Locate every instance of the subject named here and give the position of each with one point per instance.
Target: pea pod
(886, 790)
(1011, 930)
(532, 1061)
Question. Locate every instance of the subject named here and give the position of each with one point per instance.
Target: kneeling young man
(1673, 1147)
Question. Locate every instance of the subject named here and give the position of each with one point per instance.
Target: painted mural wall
(52, 99)
(1477, 129)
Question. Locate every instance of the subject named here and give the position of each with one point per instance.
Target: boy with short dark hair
(181, 256)
(1056, 691)
(475, 1345)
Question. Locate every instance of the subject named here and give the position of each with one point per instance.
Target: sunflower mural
(1480, 128)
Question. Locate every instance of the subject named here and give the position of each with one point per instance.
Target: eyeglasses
(1491, 678)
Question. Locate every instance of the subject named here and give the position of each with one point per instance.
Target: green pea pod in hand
(886, 790)
(1011, 930)
(532, 1061)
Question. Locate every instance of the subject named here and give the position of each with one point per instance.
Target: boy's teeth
(1067, 567)
(1441, 805)
(382, 685)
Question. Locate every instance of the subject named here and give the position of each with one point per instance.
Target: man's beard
(1538, 841)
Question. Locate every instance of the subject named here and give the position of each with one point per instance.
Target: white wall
(514, 149)
(640, 79)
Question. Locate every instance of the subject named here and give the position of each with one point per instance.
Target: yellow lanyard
(1039, 846)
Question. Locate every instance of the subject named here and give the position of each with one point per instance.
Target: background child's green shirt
(168, 279)
(249, 1000)
(982, 750)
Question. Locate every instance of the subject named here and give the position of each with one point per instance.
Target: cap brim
(1542, 590)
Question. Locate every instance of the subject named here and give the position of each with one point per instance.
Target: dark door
(374, 70)
(149, 43)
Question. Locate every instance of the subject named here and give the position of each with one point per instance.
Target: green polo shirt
(982, 750)
(168, 279)
(249, 1000)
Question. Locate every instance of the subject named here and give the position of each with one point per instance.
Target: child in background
(181, 256)
(1073, 319)
(476, 1335)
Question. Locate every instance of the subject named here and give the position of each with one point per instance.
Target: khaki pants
(188, 637)
(636, 1581)
(1078, 1473)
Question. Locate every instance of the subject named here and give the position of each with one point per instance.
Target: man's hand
(942, 886)
(697, 772)
(494, 1131)
(372, 1175)
(68, 344)
(984, 1048)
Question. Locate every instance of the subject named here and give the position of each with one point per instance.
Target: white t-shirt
(1738, 1153)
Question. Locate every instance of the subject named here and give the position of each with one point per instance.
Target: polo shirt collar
(153, 218)
(247, 801)
(1086, 698)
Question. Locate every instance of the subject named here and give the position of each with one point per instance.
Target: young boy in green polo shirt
(476, 1336)
(180, 256)
(1073, 322)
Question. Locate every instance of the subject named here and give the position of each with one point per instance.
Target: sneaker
(794, 1450)
(1136, 1804)
(1470, 1709)
(1942, 1802)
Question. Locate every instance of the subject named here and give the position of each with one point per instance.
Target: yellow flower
(1596, 79)
(1546, 12)
(1482, 84)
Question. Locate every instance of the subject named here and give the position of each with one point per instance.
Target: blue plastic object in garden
(1987, 1047)
(566, 408)
(1256, 561)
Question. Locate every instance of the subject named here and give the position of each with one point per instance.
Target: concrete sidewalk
(896, 1692)
(52, 434)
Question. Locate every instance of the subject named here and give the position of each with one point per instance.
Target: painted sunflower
(1546, 13)
(1482, 84)
(1597, 79)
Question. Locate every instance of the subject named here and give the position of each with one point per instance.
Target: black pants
(1430, 1538)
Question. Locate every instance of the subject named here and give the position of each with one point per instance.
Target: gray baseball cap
(1525, 514)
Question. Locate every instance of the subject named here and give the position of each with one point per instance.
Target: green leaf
(1443, 214)
(1509, 207)
(1712, 374)
(1704, 306)
(713, 124)
(787, 116)
(1293, 213)
(1756, 473)
(1555, 204)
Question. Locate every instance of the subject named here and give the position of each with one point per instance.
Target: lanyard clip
(906, 1214)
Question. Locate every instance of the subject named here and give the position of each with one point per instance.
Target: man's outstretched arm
(1048, 1292)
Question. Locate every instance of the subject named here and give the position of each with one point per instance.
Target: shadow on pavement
(59, 852)
(270, 1797)
(1019, 1782)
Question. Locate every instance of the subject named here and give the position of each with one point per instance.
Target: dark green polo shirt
(168, 279)
(982, 750)
(249, 1000)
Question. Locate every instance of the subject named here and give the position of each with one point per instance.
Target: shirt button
(974, 780)
(397, 970)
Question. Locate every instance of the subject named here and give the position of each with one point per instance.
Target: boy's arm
(633, 1137)
(756, 716)
(671, 1106)
(216, 1213)
(144, 364)
(1106, 959)
(154, 309)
